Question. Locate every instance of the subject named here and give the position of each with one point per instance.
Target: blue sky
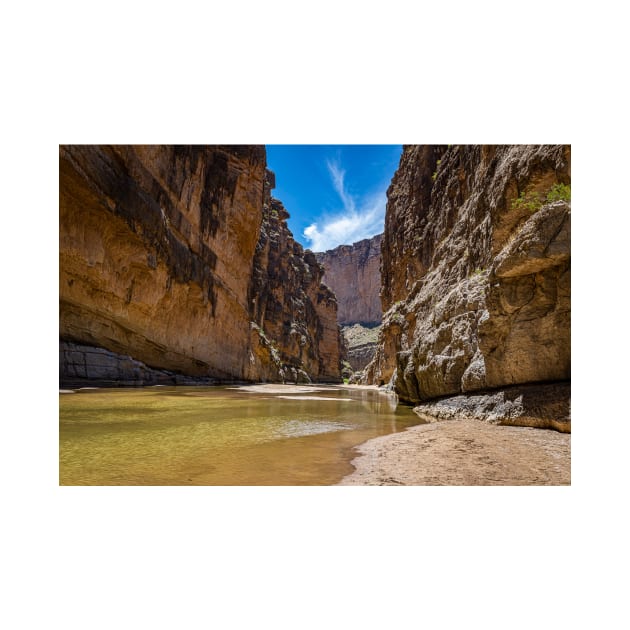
(335, 194)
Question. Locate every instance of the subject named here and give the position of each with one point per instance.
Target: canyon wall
(476, 283)
(360, 341)
(353, 273)
(295, 335)
(157, 248)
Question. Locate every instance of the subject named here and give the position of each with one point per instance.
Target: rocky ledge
(544, 406)
(89, 366)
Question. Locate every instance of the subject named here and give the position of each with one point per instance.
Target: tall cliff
(476, 283)
(353, 273)
(157, 249)
(295, 335)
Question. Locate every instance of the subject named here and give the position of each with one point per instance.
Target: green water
(219, 435)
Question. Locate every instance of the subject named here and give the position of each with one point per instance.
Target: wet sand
(464, 453)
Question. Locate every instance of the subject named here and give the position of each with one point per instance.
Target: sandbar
(464, 453)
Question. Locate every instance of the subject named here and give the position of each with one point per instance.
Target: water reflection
(221, 436)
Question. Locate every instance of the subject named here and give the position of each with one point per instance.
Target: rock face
(361, 343)
(544, 405)
(476, 272)
(83, 365)
(294, 333)
(353, 273)
(157, 248)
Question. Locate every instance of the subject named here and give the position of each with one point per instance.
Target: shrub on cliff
(559, 192)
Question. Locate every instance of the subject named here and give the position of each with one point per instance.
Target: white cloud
(359, 219)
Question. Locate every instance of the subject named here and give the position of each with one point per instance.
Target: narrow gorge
(200, 343)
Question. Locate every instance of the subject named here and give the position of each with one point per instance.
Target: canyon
(176, 265)
(476, 267)
(353, 274)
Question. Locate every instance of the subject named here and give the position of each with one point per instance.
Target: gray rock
(545, 406)
(476, 271)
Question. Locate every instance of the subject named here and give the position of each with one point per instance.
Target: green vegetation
(346, 371)
(533, 201)
(559, 192)
(527, 201)
(477, 272)
(436, 170)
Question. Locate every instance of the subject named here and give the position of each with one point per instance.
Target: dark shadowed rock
(294, 331)
(545, 406)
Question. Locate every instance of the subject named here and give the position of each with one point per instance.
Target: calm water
(219, 435)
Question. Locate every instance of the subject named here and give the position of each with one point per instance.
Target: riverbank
(464, 453)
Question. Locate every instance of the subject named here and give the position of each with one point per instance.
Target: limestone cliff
(476, 281)
(295, 336)
(353, 273)
(361, 345)
(157, 248)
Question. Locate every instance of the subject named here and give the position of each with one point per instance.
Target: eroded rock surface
(85, 366)
(545, 405)
(294, 334)
(157, 248)
(476, 271)
(361, 344)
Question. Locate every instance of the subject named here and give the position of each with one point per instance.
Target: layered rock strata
(353, 273)
(157, 248)
(82, 366)
(361, 344)
(476, 274)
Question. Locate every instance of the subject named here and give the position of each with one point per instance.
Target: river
(249, 435)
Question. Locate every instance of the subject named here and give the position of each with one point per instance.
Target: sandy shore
(464, 453)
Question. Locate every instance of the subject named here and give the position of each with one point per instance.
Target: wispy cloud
(360, 218)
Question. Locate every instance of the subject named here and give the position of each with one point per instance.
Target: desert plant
(528, 201)
(559, 192)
